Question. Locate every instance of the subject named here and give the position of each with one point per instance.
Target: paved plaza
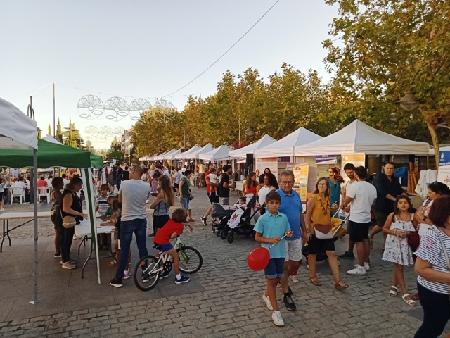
(223, 298)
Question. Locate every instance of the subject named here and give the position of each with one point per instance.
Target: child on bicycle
(270, 229)
(173, 228)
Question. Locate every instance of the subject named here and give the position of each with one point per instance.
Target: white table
(83, 231)
(7, 216)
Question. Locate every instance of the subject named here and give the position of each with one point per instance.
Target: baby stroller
(239, 222)
(220, 217)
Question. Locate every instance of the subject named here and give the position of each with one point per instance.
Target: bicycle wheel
(146, 273)
(190, 259)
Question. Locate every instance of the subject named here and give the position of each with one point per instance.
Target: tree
(59, 132)
(394, 53)
(115, 151)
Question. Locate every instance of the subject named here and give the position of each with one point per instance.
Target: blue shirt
(291, 206)
(335, 192)
(271, 226)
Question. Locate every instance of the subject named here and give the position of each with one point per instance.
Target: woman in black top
(71, 206)
(272, 179)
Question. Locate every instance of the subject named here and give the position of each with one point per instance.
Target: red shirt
(163, 235)
(42, 184)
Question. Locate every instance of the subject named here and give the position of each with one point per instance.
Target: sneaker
(126, 274)
(183, 279)
(358, 270)
(267, 301)
(294, 279)
(57, 255)
(347, 254)
(204, 221)
(277, 319)
(116, 283)
(68, 265)
(289, 302)
(366, 266)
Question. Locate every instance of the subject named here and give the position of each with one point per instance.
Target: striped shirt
(431, 250)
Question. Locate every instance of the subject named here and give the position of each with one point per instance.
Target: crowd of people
(374, 205)
(371, 205)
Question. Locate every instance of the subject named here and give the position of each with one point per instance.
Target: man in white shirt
(360, 196)
(133, 195)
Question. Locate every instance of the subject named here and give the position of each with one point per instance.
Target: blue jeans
(139, 227)
(184, 201)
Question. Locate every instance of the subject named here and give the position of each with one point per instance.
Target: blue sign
(444, 158)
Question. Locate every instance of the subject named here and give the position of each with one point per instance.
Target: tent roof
(285, 146)
(218, 154)
(205, 149)
(187, 154)
(16, 129)
(253, 147)
(358, 137)
(48, 155)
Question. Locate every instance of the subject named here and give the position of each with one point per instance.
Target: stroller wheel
(230, 237)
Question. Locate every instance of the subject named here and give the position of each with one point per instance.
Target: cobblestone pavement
(230, 302)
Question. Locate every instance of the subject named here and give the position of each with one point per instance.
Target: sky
(145, 49)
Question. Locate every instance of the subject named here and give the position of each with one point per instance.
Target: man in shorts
(349, 170)
(360, 196)
(291, 206)
(211, 191)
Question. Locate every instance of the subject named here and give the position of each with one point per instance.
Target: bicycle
(150, 269)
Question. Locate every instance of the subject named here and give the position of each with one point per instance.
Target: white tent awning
(253, 147)
(187, 154)
(16, 129)
(286, 145)
(219, 154)
(205, 149)
(358, 137)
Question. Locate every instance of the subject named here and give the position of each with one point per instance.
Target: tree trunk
(434, 138)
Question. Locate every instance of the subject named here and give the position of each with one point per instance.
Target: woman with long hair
(318, 225)
(73, 212)
(163, 201)
(250, 185)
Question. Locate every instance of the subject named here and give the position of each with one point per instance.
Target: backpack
(55, 214)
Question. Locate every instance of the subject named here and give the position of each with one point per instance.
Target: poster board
(444, 168)
(271, 163)
(356, 159)
(305, 177)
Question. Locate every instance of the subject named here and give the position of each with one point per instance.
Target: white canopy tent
(358, 137)
(171, 156)
(205, 149)
(187, 154)
(287, 145)
(19, 131)
(253, 147)
(164, 156)
(16, 129)
(219, 154)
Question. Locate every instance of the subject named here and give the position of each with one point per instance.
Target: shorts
(224, 201)
(275, 268)
(213, 198)
(184, 200)
(380, 218)
(294, 250)
(320, 246)
(164, 247)
(2, 194)
(358, 232)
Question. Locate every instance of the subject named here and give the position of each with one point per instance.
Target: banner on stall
(444, 158)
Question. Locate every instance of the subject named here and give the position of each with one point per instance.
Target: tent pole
(35, 231)
(91, 210)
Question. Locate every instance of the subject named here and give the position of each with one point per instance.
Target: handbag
(69, 222)
(323, 235)
(413, 240)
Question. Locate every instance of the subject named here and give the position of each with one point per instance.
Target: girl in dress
(396, 248)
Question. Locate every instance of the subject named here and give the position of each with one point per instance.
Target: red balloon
(258, 258)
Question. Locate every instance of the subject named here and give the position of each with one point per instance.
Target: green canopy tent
(50, 154)
(96, 161)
